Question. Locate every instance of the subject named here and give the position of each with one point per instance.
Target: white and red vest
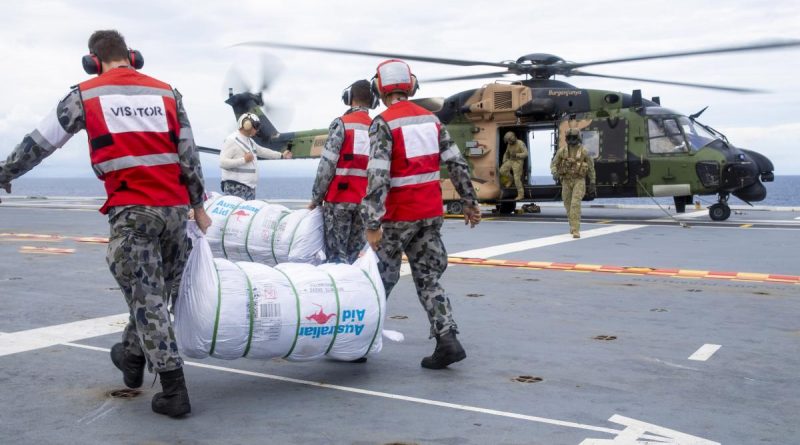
(350, 182)
(414, 192)
(132, 124)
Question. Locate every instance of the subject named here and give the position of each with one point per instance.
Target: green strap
(251, 309)
(297, 302)
(216, 318)
(247, 234)
(291, 240)
(338, 313)
(224, 253)
(380, 311)
(272, 240)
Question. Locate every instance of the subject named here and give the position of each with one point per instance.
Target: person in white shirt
(238, 158)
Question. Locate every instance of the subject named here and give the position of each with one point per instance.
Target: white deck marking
(696, 214)
(636, 429)
(705, 352)
(31, 339)
(616, 418)
(502, 249)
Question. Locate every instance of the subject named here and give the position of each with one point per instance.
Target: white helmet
(248, 121)
(394, 75)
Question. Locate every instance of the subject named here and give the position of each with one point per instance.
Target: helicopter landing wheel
(719, 211)
(455, 208)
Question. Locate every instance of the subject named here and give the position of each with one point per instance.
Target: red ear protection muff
(135, 58)
(91, 64)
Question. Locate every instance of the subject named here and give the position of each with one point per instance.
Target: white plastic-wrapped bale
(219, 208)
(297, 311)
(265, 233)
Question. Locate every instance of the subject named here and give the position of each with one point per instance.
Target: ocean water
(784, 191)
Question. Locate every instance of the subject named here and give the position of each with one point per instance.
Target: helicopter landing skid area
(680, 336)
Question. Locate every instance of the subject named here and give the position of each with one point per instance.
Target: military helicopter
(640, 148)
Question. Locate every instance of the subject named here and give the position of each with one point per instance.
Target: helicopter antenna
(696, 115)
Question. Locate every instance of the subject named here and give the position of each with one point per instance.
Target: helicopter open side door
(605, 137)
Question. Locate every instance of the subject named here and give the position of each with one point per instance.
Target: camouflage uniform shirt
(380, 138)
(342, 221)
(35, 147)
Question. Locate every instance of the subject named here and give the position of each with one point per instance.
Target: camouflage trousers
(515, 167)
(147, 250)
(238, 189)
(344, 231)
(572, 191)
(422, 244)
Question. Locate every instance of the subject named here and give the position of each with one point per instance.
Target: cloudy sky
(188, 44)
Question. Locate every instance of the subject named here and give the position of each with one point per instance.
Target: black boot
(132, 366)
(173, 401)
(448, 350)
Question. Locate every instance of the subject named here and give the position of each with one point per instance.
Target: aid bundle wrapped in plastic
(264, 233)
(297, 311)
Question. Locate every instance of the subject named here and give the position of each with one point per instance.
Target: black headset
(347, 96)
(91, 64)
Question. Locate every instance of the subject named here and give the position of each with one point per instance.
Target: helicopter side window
(665, 136)
(697, 136)
(591, 142)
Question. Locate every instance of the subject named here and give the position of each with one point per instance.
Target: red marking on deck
(634, 270)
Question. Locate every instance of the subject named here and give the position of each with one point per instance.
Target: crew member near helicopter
(403, 205)
(341, 181)
(141, 147)
(238, 162)
(571, 165)
(514, 162)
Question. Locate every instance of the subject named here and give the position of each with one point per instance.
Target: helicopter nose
(764, 165)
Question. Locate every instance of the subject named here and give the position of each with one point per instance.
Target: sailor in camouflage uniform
(341, 180)
(514, 162)
(141, 146)
(403, 205)
(571, 165)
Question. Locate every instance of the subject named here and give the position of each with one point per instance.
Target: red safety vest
(132, 124)
(350, 182)
(415, 192)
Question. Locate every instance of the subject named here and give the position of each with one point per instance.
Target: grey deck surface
(513, 321)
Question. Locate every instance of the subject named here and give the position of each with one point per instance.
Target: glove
(592, 189)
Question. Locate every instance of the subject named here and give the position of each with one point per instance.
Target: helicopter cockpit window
(665, 136)
(591, 142)
(697, 136)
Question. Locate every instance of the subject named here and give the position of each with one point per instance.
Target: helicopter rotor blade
(667, 82)
(732, 49)
(472, 76)
(459, 62)
(234, 79)
(432, 104)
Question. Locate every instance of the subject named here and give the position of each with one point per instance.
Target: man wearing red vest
(341, 180)
(141, 147)
(403, 205)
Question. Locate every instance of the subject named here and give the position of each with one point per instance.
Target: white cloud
(188, 44)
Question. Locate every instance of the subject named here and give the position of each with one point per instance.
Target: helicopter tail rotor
(246, 82)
